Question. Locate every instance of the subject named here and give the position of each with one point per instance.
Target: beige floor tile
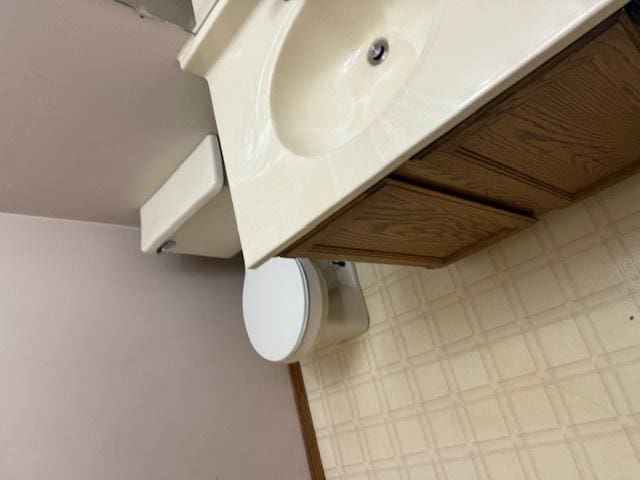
(631, 241)
(512, 357)
(446, 428)
(416, 337)
(388, 475)
(586, 398)
(377, 311)
(634, 438)
(349, 448)
(533, 409)
(385, 349)
(469, 370)
(630, 378)
(431, 381)
(476, 267)
(493, 308)
(367, 399)
(487, 420)
(593, 271)
(521, 247)
(539, 290)
(462, 469)
(410, 435)
(613, 458)
(326, 453)
(388, 270)
(397, 391)
(330, 369)
(311, 380)
(317, 413)
(569, 224)
(436, 283)
(339, 407)
(422, 472)
(452, 323)
(504, 466)
(354, 476)
(366, 275)
(378, 442)
(554, 462)
(614, 325)
(622, 199)
(355, 359)
(562, 342)
(403, 296)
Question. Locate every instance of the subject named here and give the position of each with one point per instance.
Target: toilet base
(347, 315)
(334, 310)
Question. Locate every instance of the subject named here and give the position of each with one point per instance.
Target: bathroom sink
(318, 100)
(340, 64)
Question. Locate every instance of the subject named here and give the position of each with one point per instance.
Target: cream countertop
(282, 188)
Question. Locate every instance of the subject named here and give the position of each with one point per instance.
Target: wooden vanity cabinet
(396, 222)
(565, 131)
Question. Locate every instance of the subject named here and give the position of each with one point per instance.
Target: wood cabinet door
(399, 223)
(484, 181)
(568, 128)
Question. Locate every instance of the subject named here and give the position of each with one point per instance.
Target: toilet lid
(275, 305)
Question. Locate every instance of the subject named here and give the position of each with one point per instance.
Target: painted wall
(187, 14)
(177, 12)
(118, 365)
(95, 113)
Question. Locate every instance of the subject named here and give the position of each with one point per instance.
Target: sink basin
(324, 88)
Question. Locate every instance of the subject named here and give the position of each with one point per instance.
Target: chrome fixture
(165, 247)
(378, 51)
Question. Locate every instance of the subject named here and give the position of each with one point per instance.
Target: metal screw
(165, 247)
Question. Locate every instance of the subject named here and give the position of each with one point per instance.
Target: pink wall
(116, 365)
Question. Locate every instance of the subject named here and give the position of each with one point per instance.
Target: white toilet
(291, 306)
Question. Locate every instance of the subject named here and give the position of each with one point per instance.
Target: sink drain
(378, 51)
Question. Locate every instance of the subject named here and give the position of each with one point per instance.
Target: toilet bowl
(294, 306)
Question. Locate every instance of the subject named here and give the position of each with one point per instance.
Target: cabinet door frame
(311, 246)
(453, 143)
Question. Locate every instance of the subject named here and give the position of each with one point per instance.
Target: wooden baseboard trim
(306, 423)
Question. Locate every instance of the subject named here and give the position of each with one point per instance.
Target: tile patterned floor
(519, 363)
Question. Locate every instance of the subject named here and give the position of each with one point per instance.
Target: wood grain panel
(397, 220)
(576, 125)
(482, 180)
(553, 137)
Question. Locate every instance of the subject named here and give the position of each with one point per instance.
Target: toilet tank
(191, 212)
